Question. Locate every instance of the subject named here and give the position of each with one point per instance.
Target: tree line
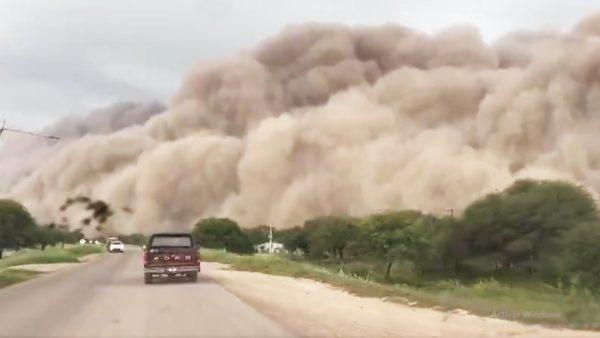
(19, 230)
(224, 233)
(536, 229)
(543, 229)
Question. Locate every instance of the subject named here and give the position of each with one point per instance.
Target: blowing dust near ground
(328, 119)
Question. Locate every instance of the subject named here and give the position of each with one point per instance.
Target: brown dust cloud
(327, 120)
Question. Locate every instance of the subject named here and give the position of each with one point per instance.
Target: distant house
(270, 247)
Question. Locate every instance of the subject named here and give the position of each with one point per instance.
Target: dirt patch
(52, 267)
(313, 309)
(89, 257)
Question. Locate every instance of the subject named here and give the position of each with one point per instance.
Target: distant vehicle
(109, 241)
(171, 255)
(116, 246)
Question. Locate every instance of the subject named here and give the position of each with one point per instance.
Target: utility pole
(270, 239)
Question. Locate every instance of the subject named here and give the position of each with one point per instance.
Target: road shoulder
(54, 267)
(36, 264)
(311, 308)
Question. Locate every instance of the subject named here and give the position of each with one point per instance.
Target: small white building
(270, 247)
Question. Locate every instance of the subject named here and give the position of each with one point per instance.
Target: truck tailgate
(171, 257)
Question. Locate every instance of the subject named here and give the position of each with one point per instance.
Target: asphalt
(107, 297)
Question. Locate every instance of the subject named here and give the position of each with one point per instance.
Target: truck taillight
(145, 258)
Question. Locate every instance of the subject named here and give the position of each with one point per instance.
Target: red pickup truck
(171, 255)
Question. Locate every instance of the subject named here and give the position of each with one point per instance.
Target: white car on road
(116, 246)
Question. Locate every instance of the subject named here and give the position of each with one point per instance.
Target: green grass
(83, 250)
(50, 255)
(35, 256)
(12, 276)
(526, 301)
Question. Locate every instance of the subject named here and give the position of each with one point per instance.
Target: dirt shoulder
(313, 309)
(53, 267)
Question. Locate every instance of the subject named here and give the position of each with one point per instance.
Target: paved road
(108, 298)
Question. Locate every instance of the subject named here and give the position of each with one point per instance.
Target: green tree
(72, 237)
(522, 228)
(416, 243)
(258, 235)
(49, 235)
(222, 233)
(329, 236)
(17, 227)
(448, 240)
(293, 239)
(580, 259)
(396, 236)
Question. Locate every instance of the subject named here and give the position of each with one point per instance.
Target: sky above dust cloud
(62, 57)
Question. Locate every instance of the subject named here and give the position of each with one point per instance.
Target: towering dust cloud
(326, 119)
(21, 155)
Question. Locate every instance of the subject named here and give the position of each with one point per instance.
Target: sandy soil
(314, 309)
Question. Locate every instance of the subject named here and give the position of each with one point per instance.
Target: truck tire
(193, 277)
(147, 278)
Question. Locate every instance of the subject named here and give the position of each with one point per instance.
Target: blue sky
(66, 57)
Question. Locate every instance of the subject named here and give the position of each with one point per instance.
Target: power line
(18, 131)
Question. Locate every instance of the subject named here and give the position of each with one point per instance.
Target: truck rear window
(171, 241)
